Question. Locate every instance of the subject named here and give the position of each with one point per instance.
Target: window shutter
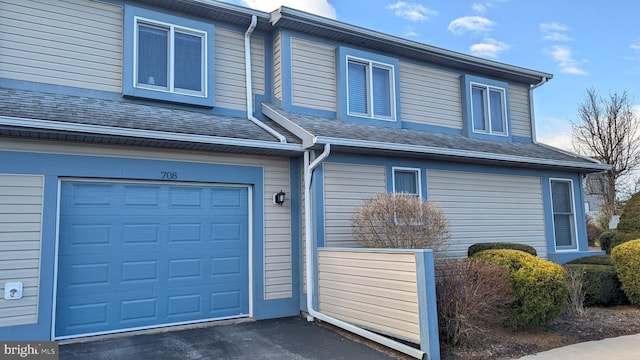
(496, 106)
(381, 91)
(357, 88)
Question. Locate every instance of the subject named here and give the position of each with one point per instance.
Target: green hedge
(629, 225)
(606, 241)
(476, 248)
(539, 288)
(600, 284)
(626, 259)
(593, 260)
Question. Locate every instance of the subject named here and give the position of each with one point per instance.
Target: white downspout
(308, 172)
(531, 112)
(247, 71)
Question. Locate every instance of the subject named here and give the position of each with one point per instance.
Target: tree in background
(607, 130)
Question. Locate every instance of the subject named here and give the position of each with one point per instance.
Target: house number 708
(169, 175)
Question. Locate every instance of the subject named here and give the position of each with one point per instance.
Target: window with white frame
(488, 109)
(407, 180)
(564, 221)
(370, 87)
(170, 58)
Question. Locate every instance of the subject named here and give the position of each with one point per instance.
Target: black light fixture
(279, 198)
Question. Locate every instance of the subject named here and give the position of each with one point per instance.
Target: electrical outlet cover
(13, 290)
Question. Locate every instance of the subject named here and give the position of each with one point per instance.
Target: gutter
(460, 153)
(313, 313)
(144, 134)
(249, 95)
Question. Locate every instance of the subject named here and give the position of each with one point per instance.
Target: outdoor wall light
(279, 198)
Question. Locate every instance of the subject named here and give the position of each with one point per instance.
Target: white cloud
(412, 11)
(475, 24)
(489, 48)
(563, 56)
(556, 32)
(555, 132)
(409, 32)
(317, 7)
(478, 7)
(635, 44)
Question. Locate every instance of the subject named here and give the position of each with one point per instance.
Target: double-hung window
(407, 180)
(488, 109)
(370, 89)
(564, 221)
(170, 58)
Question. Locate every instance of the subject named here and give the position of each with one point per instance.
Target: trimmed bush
(539, 288)
(593, 260)
(476, 248)
(626, 259)
(600, 284)
(629, 225)
(606, 240)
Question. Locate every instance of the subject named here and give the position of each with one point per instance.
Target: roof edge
(287, 13)
(462, 153)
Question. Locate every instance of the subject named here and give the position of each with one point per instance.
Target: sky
(584, 44)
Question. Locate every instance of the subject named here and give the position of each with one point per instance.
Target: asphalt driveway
(289, 338)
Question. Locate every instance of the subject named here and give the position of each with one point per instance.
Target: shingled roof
(358, 137)
(69, 114)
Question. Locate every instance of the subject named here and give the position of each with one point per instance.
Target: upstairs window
(370, 87)
(564, 221)
(488, 106)
(407, 180)
(170, 58)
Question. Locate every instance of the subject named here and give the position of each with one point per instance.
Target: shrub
(593, 260)
(600, 285)
(629, 225)
(539, 288)
(400, 221)
(476, 248)
(606, 240)
(471, 293)
(626, 259)
(575, 300)
(593, 233)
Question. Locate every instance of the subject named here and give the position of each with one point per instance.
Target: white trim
(416, 171)
(487, 108)
(171, 29)
(369, 65)
(146, 134)
(152, 182)
(574, 233)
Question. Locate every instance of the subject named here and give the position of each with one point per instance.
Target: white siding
(519, 111)
(277, 66)
(346, 186)
(430, 96)
(230, 70)
(489, 208)
(313, 75)
(375, 290)
(20, 244)
(277, 219)
(66, 42)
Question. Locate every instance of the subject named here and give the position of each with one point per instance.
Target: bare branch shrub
(400, 220)
(575, 303)
(471, 293)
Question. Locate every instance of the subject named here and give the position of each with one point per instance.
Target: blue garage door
(136, 255)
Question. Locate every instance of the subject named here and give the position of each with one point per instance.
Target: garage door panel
(150, 254)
